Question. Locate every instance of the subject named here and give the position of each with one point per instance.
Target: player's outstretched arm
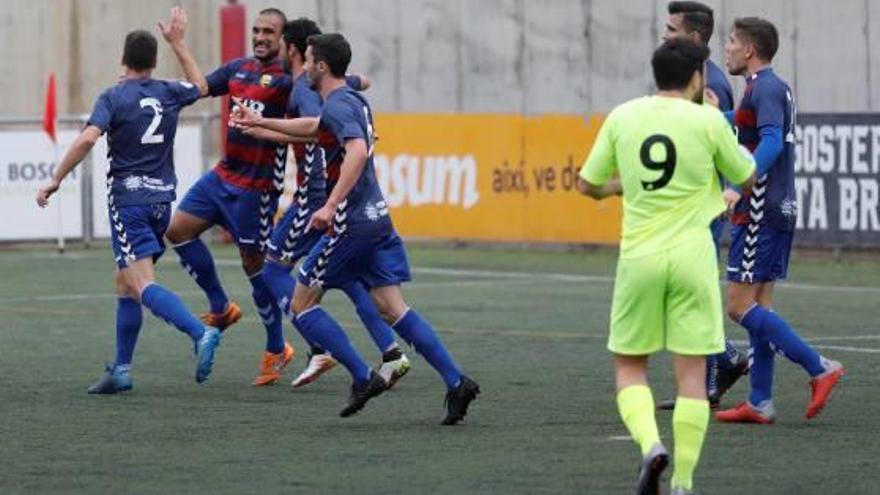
(301, 127)
(74, 155)
(278, 137)
(356, 154)
(610, 188)
(174, 30)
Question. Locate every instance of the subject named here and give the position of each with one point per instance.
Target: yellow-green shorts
(670, 299)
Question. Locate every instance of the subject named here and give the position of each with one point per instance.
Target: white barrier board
(26, 163)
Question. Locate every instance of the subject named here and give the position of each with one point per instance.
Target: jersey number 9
(667, 165)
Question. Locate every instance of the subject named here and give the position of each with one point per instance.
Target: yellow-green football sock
(689, 423)
(636, 406)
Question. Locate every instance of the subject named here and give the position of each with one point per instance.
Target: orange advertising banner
(491, 178)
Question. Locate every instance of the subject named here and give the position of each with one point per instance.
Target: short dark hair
(675, 62)
(274, 11)
(696, 17)
(761, 33)
(297, 33)
(332, 49)
(140, 50)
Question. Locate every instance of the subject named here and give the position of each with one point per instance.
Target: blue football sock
(280, 282)
(380, 332)
(317, 326)
(267, 306)
(168, 306)
(129, 318)
(418, 333)
(772, 328)
(761, 358)
(198, 262)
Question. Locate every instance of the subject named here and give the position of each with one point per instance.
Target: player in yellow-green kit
(665, 149)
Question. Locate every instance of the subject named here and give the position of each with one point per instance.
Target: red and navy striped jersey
(250, 163)
(768, 102)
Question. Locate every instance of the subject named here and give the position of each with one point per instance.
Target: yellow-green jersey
(666, 151)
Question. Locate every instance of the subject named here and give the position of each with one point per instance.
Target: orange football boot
(821, 388)
(273, 366)
(744, 413)
(224, 320)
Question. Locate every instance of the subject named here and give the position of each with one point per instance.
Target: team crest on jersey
(265, 80)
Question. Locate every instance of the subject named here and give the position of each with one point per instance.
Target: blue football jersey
(718, 83)
(768, 101)
(139, 117)
(347, 115)
(311, 180)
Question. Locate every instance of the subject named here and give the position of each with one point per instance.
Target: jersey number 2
(150, 136)
(667, 165)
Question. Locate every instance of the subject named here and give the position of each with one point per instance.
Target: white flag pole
(58, 202)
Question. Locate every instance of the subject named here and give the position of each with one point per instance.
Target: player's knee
(122, 287)
(251, 261)
(304, 298)
(735, 309)
(177, 235)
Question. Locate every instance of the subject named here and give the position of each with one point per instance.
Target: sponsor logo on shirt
(138, 182)
(374, 212)
(789, 208)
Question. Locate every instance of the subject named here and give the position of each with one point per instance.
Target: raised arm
(74, 155)
(173, 30)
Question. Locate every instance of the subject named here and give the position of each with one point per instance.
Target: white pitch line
(110, 295)
(847, 349)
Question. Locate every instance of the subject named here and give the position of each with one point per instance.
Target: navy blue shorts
(290, 241)
(758, 253)
(137, 231)
(247, 215)
(337, 261)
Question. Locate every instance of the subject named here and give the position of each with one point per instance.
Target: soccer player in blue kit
(696, 22)
(360, 242)
(763, 226)
(139, 116)
(241, 192)
(290, 239)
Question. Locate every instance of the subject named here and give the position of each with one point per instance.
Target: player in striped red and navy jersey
(763, 226)
(241, 192)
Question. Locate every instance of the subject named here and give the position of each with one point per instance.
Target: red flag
(51, 111)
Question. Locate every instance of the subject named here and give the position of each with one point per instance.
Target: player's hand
(44, 192)
(242, 116)
(321, 219)
(710, 98)
(731, 198)
(174, 28)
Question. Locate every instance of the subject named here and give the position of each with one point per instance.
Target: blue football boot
(205, 353)
(115, 380)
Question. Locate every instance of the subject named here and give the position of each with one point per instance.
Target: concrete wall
(531, 56)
